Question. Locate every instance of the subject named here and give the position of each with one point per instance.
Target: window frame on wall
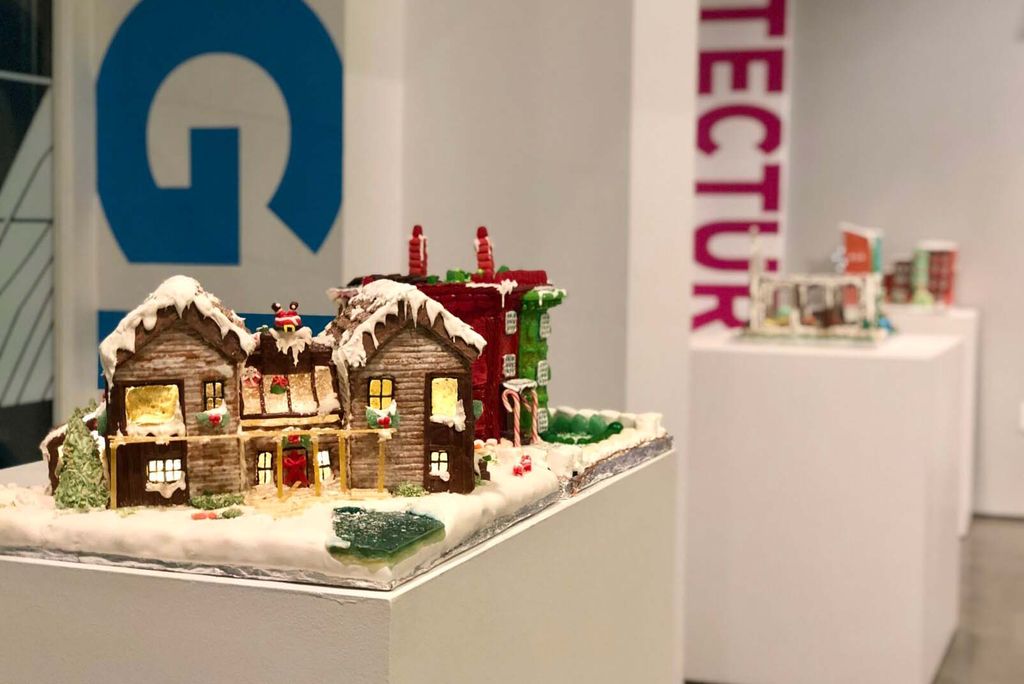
(166, 467)
(436, 458)
(323, 462)
(380, 395)
(214, 387)
(267, 469)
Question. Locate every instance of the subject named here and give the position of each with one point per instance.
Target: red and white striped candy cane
(534, 411)
(510, 398)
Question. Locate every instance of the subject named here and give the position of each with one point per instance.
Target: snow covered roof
(370, 305)
(179, 292)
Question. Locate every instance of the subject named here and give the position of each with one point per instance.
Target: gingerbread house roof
(179, 296)
(366, 310)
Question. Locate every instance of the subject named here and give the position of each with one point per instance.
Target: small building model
(823, 305)
(197, 404)
(510, 309)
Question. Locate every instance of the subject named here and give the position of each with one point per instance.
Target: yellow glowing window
(151, 404)
(264, 468)
(444, 395)
(213, 394)
(164, 470)
(382, 393)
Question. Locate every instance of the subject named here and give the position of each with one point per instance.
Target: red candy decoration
(518, 469)
(214, 418)
(384, 421)
(293, 439)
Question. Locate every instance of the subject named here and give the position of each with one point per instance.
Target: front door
(447, 432)
(294, 468)
(152, 474)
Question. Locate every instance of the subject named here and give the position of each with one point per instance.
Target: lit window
(164, 470)
(438, 462)
(151, 404)
(511, 322)
(508, 365)
(545, 325)
(543, 372)
(444, 397)
(323, 462)
(382, 393)
(264, 468)
(213, 394)
(542, 420)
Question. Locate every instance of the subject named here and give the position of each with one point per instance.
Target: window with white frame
(543, 372)
(265, 468)
(545, 325)
(511, 322)
(164, 470)
(508, 365)
(438, 462)
(542, 420)
(323, 462)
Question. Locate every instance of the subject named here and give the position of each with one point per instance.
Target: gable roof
(177, 295)
(366, 308)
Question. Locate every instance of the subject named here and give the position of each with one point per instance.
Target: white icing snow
(256, 539)
(293, 343)
(179, 292)
(458, 421)
(548, 291)
(503, 287)
(385, 298)
(166, 489)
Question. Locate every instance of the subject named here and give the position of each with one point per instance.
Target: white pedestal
(963, 323)
(576, 593)
(822, 511)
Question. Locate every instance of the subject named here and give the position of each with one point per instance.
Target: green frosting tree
(81, 484)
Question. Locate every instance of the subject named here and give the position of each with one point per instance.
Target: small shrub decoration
(410, 489)
(231, 513)
(212, 502)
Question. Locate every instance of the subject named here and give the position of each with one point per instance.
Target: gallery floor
(989, 646)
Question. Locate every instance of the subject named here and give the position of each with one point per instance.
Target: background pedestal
(580, 592)
(822, 511)
(965, 324)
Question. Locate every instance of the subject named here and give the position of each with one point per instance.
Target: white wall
(517, 117)
(907, 115)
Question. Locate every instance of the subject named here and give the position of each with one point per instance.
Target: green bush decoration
(231, 513)
(81, 485)
(596, 425)
(560, 422)
(478, 408)
(410, 489)
(211, 502)
(579, 424)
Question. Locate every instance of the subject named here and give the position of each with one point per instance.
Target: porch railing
(314, 434)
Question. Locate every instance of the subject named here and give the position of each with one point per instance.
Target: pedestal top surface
(900, 346)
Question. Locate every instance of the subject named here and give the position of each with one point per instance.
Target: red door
(295, 468)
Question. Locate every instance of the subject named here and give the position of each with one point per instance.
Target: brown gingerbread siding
(180, 354)
(408, 356)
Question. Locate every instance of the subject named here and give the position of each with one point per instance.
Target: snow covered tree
(81, 484)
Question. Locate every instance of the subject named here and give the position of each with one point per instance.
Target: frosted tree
(81, 484)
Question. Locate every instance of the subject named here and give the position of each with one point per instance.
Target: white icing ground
(384, 298)
(28, 519)
(178, 291)
(293, 343)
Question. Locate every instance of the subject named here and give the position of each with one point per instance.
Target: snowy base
(286, 541)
